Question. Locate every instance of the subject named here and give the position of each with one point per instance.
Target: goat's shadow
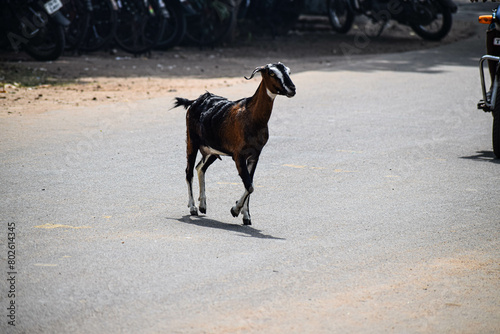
(243, 230)
(487, 156)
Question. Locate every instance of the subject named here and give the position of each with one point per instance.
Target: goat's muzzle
(290, 91)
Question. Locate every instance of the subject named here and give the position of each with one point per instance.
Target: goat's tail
(179, 101)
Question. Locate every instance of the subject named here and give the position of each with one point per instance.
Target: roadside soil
(110, 76)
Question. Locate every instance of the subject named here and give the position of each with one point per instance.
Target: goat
(217, 126)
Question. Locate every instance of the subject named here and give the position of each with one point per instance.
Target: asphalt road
(375, 210)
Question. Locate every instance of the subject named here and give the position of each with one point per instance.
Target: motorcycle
(36, 27)
(491, 98)
(176, 25)
(140, 24)
(430, 19)
(276, 16)
(210, 21)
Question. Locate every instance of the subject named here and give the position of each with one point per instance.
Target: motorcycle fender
(450, 4)
(60, 19)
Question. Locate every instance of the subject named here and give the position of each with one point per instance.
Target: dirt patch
(418, 298)
(111, 76)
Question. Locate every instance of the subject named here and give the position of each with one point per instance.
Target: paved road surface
(376, 210)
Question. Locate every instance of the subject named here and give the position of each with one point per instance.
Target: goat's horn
(258, 69)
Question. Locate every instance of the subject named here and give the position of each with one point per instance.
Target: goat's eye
(271, 74)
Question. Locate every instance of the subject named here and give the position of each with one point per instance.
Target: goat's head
(276, 77)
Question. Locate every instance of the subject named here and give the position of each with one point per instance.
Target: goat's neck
(262, 104)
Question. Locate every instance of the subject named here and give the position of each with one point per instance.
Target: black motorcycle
(491, 97)
(34, 26)
(430, 19)
(175, 26)
(140, 24)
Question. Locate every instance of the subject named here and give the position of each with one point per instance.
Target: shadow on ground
(242, 230)
(485, 156)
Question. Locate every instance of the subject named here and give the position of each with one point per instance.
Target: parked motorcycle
(102, 24)
(210, 21)
(140, 24)
(276, 16)
(430, 19)
(78, 12)
(175, 26)
(35, 26)
(491, 98)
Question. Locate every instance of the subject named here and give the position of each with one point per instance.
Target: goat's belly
(207, 150)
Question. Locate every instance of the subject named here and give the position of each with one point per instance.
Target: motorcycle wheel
(496, 134)
(79, 16)
(212, 23)
(438, 28)
(48, 44)
(175, 27)
(140, 25)
(102, 25)
(496, 121)
(340, 15)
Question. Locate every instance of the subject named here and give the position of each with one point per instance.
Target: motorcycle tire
(213, 22)
(102, 25)
(340, 15)
(140, 26)
(79, 16)
(496, 122)
(443, 30)
(48, 44)
(496, 134)
(175, 26)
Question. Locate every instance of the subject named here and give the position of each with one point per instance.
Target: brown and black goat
(216, 126)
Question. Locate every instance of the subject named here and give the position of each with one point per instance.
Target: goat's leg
(192, 150)
(201, 168)
(243, 170)
(247, 219)
(236, 209)
(245, 210)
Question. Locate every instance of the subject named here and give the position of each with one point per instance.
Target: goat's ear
(258, 69)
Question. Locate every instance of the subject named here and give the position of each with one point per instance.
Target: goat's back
(212, 119)
(211, 110)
